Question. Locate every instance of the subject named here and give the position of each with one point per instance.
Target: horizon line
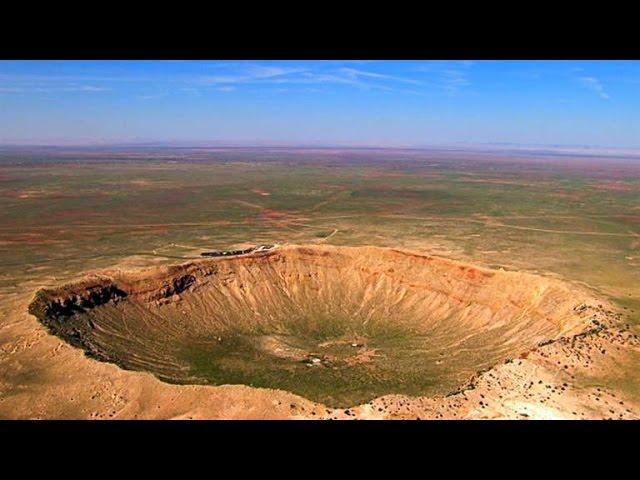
(468, 146)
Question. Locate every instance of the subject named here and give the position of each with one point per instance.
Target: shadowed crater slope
(338, 325)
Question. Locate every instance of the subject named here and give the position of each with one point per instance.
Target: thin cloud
(227, 77)
(454, 80)
(355, 73)
(191, 91)
(79, 88)
(42, 78)
(249, 74)
(152, 96)
(450, 76)
(593, 84)
(279, 75)
(88, 88)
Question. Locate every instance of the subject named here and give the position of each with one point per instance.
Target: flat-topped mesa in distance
(232, 253)
(337, 325)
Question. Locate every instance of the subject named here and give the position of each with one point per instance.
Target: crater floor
(337, 325)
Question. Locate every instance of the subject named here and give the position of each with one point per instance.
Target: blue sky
(381, 103)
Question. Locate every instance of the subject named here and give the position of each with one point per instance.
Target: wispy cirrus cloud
(88, 88)
(239, 74)
(52, 89)
(450, 76)
(594, 84)
(248, 74)
(356, 73)
(152, 96)
(229, 76)
(454, 80)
